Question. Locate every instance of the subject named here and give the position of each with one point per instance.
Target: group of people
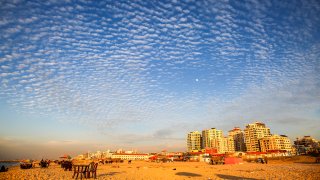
(27, 164)
(44, 163)
(66, 165)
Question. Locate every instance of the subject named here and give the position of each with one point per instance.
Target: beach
(304, 168)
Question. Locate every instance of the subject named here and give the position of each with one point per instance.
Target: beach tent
(155, 157)
(233, 160)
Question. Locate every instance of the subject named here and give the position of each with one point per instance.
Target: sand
(289, 169)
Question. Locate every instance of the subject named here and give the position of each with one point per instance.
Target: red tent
(153, 157)
(232, 160)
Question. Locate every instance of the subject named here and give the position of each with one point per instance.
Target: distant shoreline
(7, 161)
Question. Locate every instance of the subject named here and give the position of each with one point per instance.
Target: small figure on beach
(3, 169)
(129, 161)
(260, 160)
(44, 163)
(101, 161)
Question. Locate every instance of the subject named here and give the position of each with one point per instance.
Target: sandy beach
(275, 169)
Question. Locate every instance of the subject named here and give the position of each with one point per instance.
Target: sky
(79, 76)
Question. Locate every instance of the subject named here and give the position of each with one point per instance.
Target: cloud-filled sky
(80, 76)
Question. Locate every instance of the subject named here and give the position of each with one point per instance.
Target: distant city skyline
(80, 76)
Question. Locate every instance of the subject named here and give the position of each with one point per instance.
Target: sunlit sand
(299, 168)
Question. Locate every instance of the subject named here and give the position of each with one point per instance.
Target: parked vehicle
(261, 160)
(215, 160)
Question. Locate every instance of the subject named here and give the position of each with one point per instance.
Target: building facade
(211, 138)
(194, 141)
(227, 145)
(125, 156)
(306, 144)
(275, 142)
(253, 133)
(239, 140)
(255, 138)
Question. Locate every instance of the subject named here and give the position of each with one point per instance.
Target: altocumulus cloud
(134, 64)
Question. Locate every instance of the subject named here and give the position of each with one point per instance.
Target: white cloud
(82, 67)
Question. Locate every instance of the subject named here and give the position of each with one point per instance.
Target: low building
(211, 151)
(125, 156)
(306, 145)
(194, 156)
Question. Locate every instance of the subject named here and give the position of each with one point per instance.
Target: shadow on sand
(306, 163)
(108, 174)
(223, 176)
(188, 174)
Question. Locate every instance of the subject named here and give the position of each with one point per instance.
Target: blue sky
(79, 76)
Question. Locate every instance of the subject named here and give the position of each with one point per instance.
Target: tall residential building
(194, 141)
(212, 138)
(227, 145)
(238, 138)
(253, 133)
(275, 142)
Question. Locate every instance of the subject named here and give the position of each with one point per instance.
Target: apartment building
(194, 141)
(238, 137)
(275, 142)
(253, 133)
(227, 145)
(212, 138)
